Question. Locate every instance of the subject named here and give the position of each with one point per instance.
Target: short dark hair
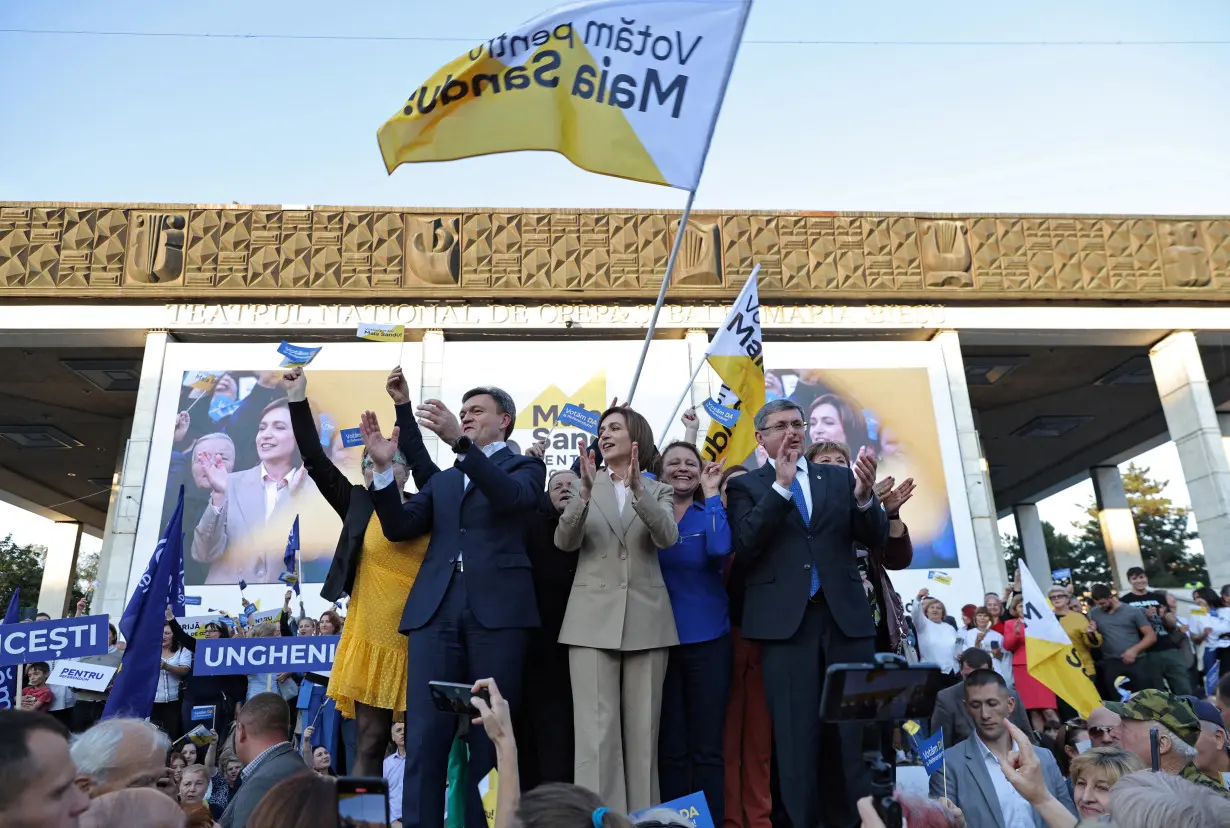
(728, 473)
(40, 665)
(39, 615)
(264, 714)
(302, 800)
(975, 657)
(503, 403)
(15, 768)
(1223, 689)
(641, 433)
(560, 805)
(979, 678)
(774, 406)
(1100, 591)
(1134, 571)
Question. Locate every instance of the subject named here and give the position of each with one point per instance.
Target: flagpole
(687, 208)
(687, 389)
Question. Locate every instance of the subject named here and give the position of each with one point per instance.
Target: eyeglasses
(1101, 731)
(797, 425)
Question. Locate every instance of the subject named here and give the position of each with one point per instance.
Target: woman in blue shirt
(698, 673)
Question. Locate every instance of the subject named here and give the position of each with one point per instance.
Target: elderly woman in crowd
(619, 623)
(1094, 773)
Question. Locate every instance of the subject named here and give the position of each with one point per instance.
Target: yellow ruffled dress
(370, 664)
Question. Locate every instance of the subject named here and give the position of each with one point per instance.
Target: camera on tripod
(884, 694)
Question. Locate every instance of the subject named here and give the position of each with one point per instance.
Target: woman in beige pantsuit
(619, 623)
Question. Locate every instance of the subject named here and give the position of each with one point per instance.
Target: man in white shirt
(394, 770)
(972, 776)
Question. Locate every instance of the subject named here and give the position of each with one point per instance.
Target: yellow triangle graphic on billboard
(545, 408)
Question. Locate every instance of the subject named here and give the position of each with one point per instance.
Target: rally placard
(351, 437)
(582, 418)
(721, 414)
(192, 600)
(381, 332)
(53, 640)
(692, 807)
(202, 713)
(296, 356)
(82, 676)
(244, 656)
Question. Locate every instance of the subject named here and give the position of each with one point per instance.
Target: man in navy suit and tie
(794, 525)
(471, 609)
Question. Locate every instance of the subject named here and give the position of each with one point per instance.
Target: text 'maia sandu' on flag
(629, 88)
(736, 356)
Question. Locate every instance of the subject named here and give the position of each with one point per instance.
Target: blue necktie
(796, 494)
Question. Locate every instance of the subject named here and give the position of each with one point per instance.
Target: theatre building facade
(996, 359)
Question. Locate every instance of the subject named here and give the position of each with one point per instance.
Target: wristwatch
(462, 445)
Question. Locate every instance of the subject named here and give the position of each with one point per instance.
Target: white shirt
(272, 487)
(1016, 810)
(385, 478)
(394, 773)
(801, 476)
(621, 491)
(937, 642)
(168, 684)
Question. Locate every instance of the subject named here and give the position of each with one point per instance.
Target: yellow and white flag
(1051, 658)
(735, 354)
(629, 88)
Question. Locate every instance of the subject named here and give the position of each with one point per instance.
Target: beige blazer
(618, 599)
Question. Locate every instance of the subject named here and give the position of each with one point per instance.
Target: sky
(904, 106)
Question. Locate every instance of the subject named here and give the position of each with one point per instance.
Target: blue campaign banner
(192, 600)
(296, 356)
(724, 416)
(203, 713)
(932, 751)
(69, 638)
(1211, 678)
(243, 656)
(351, 437)
(584, 419)
(692, 807)
(1061, 574)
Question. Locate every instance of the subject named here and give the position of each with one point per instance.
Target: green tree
(87, 573)
(20, 567)
(1162, 528)
(1088, 566)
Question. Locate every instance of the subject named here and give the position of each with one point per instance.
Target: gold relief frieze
(219, 252)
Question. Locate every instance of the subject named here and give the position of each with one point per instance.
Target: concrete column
(433, 382)
(1192, 422)
(119, 539)
(1033, 542)
(975, 469)
(1223, 420)
(59, 568)
(1118, 529)
(698, 344)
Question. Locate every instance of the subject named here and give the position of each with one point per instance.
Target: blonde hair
(265, 629)
(827, 447)
(1113, 762)
(195, 769)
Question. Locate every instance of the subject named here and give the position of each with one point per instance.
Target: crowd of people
(645, 625)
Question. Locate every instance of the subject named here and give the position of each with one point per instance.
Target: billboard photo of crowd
(888, 411)
(244, 482)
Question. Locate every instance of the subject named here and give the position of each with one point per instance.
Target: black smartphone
(450, 697)
(879, 692)
(1153, 750)
(362, 802)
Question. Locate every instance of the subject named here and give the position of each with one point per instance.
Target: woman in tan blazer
(619, 624)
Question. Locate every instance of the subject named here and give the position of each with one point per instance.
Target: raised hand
(295, 383)
(864, 475)
(215, 472)
(895, 498)
(923, 593)
(633, 479)
(689, 419)
(589, 471)
(539, 449)
(495, 718)
(398, 388)
(182, 421)
(711, 478)
(1023, 769)
(434, 416)
(381, 449)
(884, 486)
(787, 464)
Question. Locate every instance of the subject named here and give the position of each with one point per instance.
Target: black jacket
(353, 503)
(553, 570)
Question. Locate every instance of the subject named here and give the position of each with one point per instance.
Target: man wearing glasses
(794, 525)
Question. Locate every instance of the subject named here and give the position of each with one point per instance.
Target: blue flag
(1211, 678)
(8, 676)
(932, 751)
(132, 694)
(292, 552)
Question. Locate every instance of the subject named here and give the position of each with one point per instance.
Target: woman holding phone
(618, 625)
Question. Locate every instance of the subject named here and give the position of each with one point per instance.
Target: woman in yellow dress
(368, 680)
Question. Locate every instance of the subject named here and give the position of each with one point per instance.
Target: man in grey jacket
(950, 712)
(260, 741)
(972, 776)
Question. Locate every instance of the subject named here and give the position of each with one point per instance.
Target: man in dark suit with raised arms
(471, 609)
(794, 526)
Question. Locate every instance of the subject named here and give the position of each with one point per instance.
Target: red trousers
(748, 741)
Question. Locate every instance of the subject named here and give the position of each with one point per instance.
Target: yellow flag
(736, 356)
(1050, 656)
(629, 88)
(488, 789)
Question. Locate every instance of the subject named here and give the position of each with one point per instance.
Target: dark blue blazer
(486, 524)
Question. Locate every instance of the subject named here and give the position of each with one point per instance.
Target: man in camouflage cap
(1178, 728)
